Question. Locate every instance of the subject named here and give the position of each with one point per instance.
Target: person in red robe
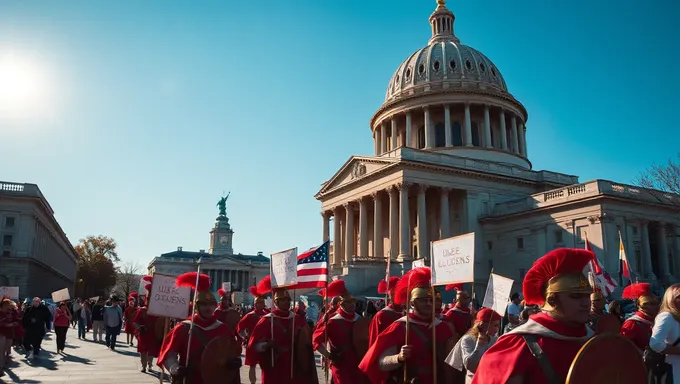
(389, 314)
(203, 326)
(333, 339)
(460, 314)
(386, 358)
(247, 324)
(148, 344)
(556, 283)
(128, 317)
(225, 307)
(601, 321)
(638, 328)
(272, 338)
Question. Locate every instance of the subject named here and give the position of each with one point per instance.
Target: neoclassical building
(451, 157)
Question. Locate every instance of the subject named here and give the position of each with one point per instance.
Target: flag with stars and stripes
(312, 267)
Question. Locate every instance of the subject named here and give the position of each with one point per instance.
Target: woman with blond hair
(471, 347)
(666, 336)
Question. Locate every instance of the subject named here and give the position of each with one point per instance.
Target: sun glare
(23, 86)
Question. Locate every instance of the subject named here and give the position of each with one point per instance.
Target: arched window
(475, 134)
(457, 134)
(439, 135)
(421, 137)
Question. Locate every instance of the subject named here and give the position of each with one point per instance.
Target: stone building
(220, 262)
(36, 255)
(451, 157)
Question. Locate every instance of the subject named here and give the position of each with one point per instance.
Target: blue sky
(148, 110)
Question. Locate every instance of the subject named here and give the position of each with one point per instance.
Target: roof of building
(182, 254)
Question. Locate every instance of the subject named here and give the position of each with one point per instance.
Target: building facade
(451, 157)
(36, 255)
(220, 262)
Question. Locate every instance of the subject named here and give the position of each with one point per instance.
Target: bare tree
(129, 274)
(662, 181)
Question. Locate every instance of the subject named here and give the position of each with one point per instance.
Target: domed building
(451, 157)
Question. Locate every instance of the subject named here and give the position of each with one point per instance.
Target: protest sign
(453, 260)
(166, 299)
(226, 285)
(11, 292)
(284, 268)
(61, 295)
(498, 293)
(418, 263)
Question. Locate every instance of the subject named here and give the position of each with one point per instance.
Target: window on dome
(452, 65)
(457, 134)
(436, 66)
(493, 71)
(421, 68)
(397, 79)
(408, 74)
(439, 135)
(482, 68)
(421, 137)
(475, 134)
(468, 65)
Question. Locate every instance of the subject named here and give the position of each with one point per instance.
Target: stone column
(428, 129)
(423, 244)
(337, 237)
(405, 223)
(394, 222)
(445, 221)
(407, 133)
(349, 232)
(395, 144)
(468, 127)
(326, 226)
(487, 128)
(377, 226)
(383, 137)
(363, 228)
(447, 126)
(646, 251)
(522, 139)
(662, 251)
(504, 133)
(513, 127)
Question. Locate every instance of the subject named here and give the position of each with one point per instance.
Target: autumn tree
(127, 279)
(96, 270)
(661, 180)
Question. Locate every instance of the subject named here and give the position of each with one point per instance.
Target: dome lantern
(441, 21)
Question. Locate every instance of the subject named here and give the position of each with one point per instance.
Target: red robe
(393, 338)
(604, 323)
(510, 356)
(245, 328)
(638, 328)
(461, 319)
(383, 319)
(280, 373)
(339, 329)
(147, 342)
(177, 339)
(128, 319)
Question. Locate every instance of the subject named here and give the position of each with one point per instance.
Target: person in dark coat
(36, 322)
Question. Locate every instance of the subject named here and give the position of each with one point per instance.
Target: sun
(23, 84)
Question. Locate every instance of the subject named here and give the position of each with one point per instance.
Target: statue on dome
(222, 204)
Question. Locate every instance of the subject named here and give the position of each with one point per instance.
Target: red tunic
(175, 343)
(605, 323)
(128, 319)
(283, 323)
(147, 342)
(339, 329)
(245, 328)
(638, 328)
(383, 319)
(393, 338)
(461, 319)
(510, 356)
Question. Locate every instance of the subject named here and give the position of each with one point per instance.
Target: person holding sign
(406, 345)
(271, 342)
(245, 327)
(638, 328)
(189, 343)
(555, 282)
(388, 315)
(338, 334)
(471, 347)
(460, 314)
(148, 344)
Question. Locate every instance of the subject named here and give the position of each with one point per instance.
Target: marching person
(113, 321)
(471, 347)
(386, 358)
(148, 344)
(273, 351)
(247, 324)
(128, 318)
(555, 282)
(62, 318)
(225, 311)
(638, 328)
(36, 322)
(389, 314)
(460, 314)
(336, 334)
(601, 321)
(173, 354)
(7, 322)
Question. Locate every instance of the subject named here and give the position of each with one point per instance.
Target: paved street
(87, 362)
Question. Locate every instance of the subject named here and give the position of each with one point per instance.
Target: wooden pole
(193, 307)
(408, 323)
(292, 337)
(165, 333)
(434, 335)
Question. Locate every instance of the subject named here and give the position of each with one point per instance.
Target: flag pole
(408, 323)
(434, 316)
(193, 308)
(387, 276)
(292, 337)
(271, 318)
(620, 260)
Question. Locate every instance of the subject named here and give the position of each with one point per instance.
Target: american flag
(312, 267)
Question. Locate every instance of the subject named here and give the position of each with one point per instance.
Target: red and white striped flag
(602, 279)
(312, 268)
(625, 267)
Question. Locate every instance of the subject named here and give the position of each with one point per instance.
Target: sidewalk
(88, 362)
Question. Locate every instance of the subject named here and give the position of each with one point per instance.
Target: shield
(231, 318)
(304, 353)
(159, 328)
(360, 336)
(602, 358)
(216, 359)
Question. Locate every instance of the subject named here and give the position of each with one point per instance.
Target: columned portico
(646, 250)
(423, 243)
(445, 223)
(337, 237)
(350, 241)
(394, 221)
(662, 252)
(363, 228)
(404, 224)
(326, 217)
(377, 226)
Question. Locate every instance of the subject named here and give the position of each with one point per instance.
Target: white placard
(284, 268)
(226, 285)
(268, 303)
(168, 300)
(418, 263)
(453, 260)
(498, 293)
(11, 292)
(61, 295)
(142, 283)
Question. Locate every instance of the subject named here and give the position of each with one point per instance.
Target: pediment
(356, 168)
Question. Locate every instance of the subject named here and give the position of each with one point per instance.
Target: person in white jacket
(471, 347)
(666, 333)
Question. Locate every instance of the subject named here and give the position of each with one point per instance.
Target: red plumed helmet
(221, 292)
(253, 291)
(634, 291)
(455, 287)
(189, 280)
(336, 288)
(147, 278)
(568, 262)
(148, 287)
(264, 286)
(385, 287)
(487, 315)
(415, 278)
